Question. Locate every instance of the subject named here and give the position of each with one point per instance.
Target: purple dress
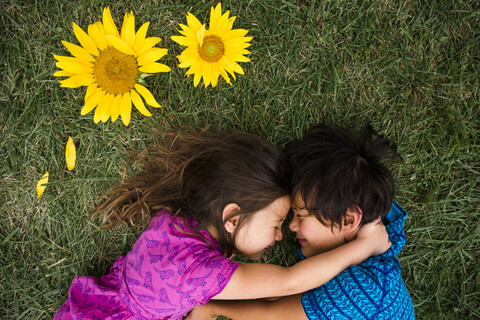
(169, 270)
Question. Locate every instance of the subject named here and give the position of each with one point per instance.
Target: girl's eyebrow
(297, 207)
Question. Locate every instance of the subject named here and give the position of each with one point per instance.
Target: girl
(206, 198)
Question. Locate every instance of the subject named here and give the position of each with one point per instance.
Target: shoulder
(172, 254)
(360, 292)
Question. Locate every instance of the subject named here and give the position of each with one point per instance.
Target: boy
(345, 185)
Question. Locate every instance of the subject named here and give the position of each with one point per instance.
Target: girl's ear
(352, 219)
(230, 223)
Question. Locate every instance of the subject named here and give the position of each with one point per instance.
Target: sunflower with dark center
(109, 64)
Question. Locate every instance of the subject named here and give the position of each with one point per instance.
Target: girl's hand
(200, 313)
(374, 236)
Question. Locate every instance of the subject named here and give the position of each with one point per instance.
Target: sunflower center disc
(115, 71)
(212, 49)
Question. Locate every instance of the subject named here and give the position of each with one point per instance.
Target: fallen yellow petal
(70, 154)
(41, 184)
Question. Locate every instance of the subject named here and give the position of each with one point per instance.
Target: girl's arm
(256, 280)
(286, 308)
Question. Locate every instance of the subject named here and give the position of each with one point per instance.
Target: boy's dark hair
(196, 176)
(334, 171)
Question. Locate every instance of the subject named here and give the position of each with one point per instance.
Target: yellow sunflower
(110, 65)
(213, 52)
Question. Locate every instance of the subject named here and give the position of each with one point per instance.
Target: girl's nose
(294, 224)
(279, 235)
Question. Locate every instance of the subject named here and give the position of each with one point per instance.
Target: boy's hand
(375, 236)
(200, 313)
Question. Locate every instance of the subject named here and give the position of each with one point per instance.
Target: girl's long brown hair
(195, 177)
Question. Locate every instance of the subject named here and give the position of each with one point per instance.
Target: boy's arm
(255, 280)
(286, 308)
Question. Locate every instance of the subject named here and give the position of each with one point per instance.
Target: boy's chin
(308, 251)
(305, 252)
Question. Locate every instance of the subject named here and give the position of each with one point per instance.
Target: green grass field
(411, 68)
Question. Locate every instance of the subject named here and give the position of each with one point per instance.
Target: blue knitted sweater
(372, 290)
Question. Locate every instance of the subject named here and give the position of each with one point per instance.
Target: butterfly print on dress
(148, 280)
(155, 258)
(199, 281)
(152, 243)
(164, 274)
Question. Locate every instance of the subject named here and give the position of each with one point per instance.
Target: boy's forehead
(298, 202)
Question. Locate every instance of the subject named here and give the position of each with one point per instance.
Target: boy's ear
(230, 223)
(352, 219)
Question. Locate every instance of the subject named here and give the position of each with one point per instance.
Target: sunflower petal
(223, 23)
(128, 29)
(230, 22)
(85, 40)
(62, 73)
(120, 45)
(154, 67)
(151, 55)
(138, 103)
(206, 75)
(126, 108)
(239, 58)
(183, 41)
(96, 115)
(140, 36)
(225, 76)
(214, 17)
(91, 90)
(146, 44)
(147, 95)
(70, 154)
(74, 67)
(196, 77)
(41, 184)
(238, 69)
(92, 102)
(235, 33)
(97, 33)
(104, 108)
(193, 22)
(78, 51)
(108, 24)
(201, 35)
(115, 108)
(71, 59)
(79, 80)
